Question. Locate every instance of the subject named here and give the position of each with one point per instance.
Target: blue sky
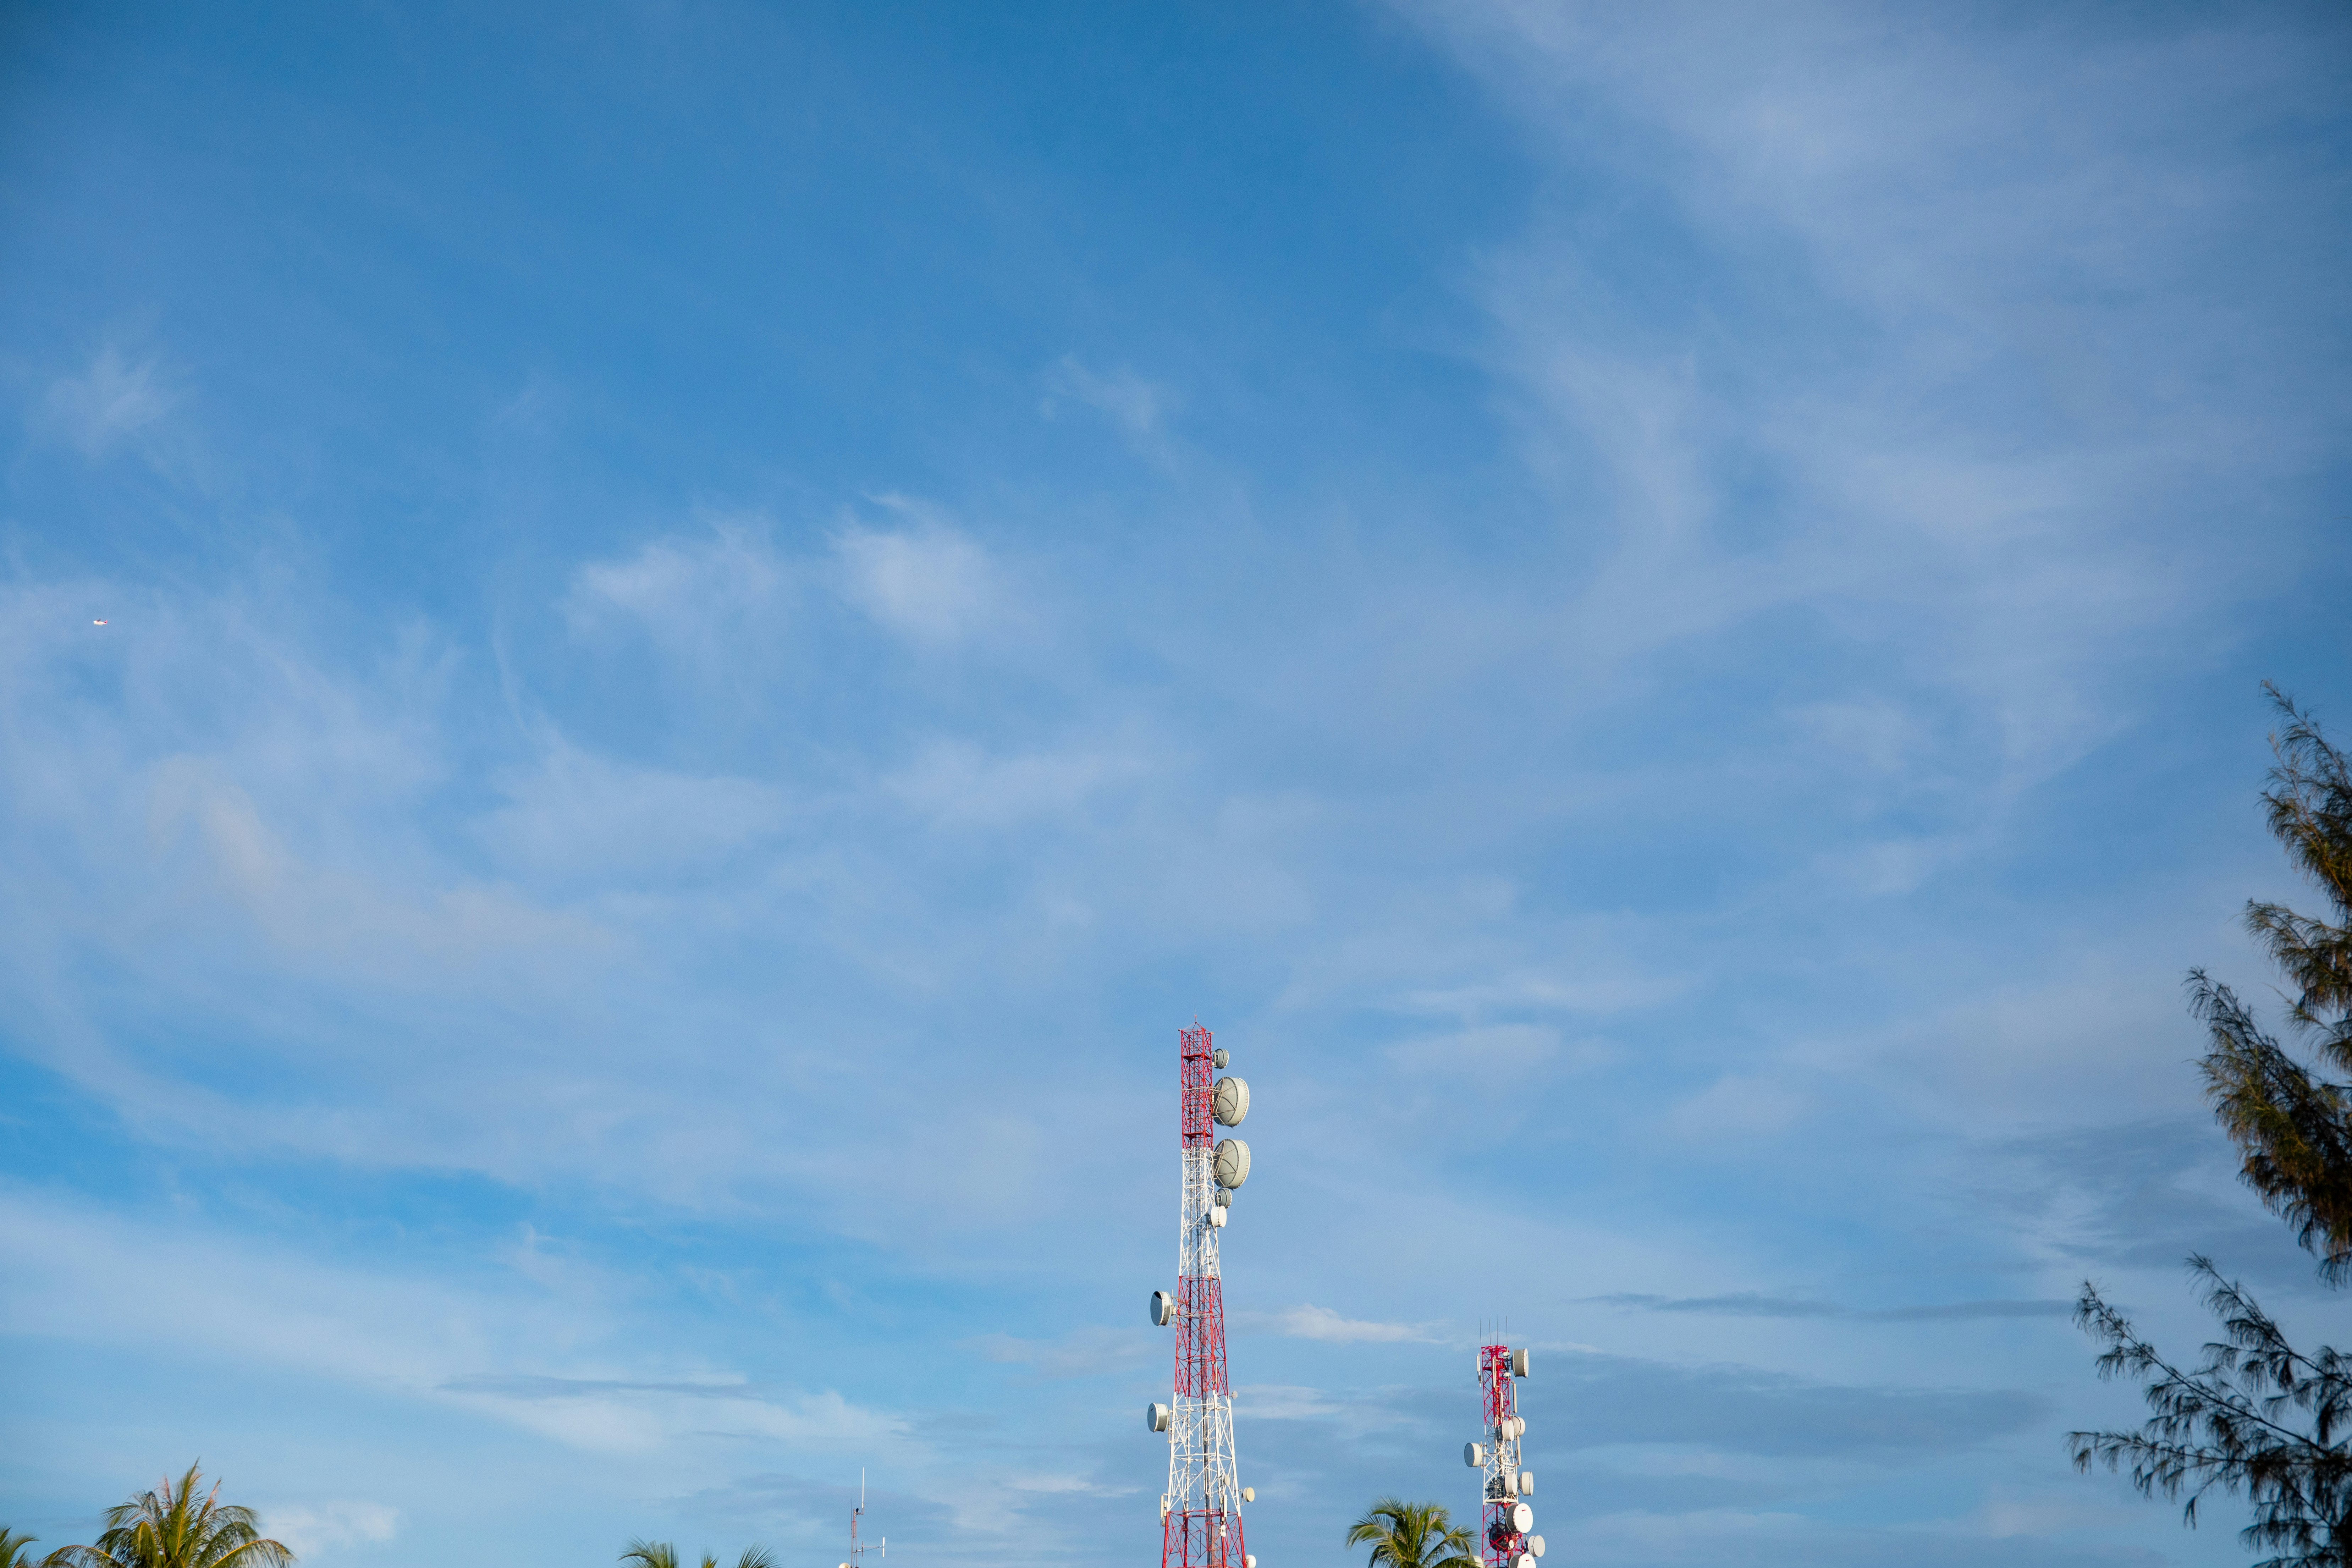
(720, 619)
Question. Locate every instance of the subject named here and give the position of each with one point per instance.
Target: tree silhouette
(2255, 1416)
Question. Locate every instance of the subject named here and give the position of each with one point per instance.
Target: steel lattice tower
(1505, 1518)
(1200, 1514)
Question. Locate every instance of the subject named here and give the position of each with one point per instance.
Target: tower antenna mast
(1199, 1513)
(1506, 1519)
(858, 1549)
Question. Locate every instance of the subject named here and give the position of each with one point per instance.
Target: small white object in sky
(97, 622)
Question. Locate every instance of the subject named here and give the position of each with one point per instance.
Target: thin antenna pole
(858, 1548)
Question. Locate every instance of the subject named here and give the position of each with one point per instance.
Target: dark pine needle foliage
(2290, 1124)
(2255, 1416)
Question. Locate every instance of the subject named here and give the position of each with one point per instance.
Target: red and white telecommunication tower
(1506, 1519)
(1200, 1511)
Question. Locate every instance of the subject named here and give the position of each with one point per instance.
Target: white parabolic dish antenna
(1232, 1163)
(1231, 1099)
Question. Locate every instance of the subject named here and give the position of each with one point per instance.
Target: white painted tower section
(1200, 1466)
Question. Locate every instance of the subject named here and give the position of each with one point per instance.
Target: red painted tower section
(1500, 1542)
(1199, 1298)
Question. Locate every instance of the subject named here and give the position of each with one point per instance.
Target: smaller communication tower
(1506, 1519)
(858, 1549)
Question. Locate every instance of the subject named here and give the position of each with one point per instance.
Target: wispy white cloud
(1878, 732)
(1738, 1105)
(79, 1280)
(536, 410)
(1501, 1048)
(1307, 1321)
(1061, 1484)
(698, 594)
(955, 782)
(928, 582)
(1756, 1304)
(109, 403)
(1084, 1351)
(576, 812)
(625, 1416)
(1596, 985)
(1135, 405)
(2012, 1512)
(1287, 1402)
(338, 915)
(330, 1529)
(2024, 375)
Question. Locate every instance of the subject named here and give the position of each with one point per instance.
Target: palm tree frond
(171, 1527)
(1412, 1535)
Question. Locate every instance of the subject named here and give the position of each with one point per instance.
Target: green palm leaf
(662, 1554)
(172, 1527)
(1412, 1535)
